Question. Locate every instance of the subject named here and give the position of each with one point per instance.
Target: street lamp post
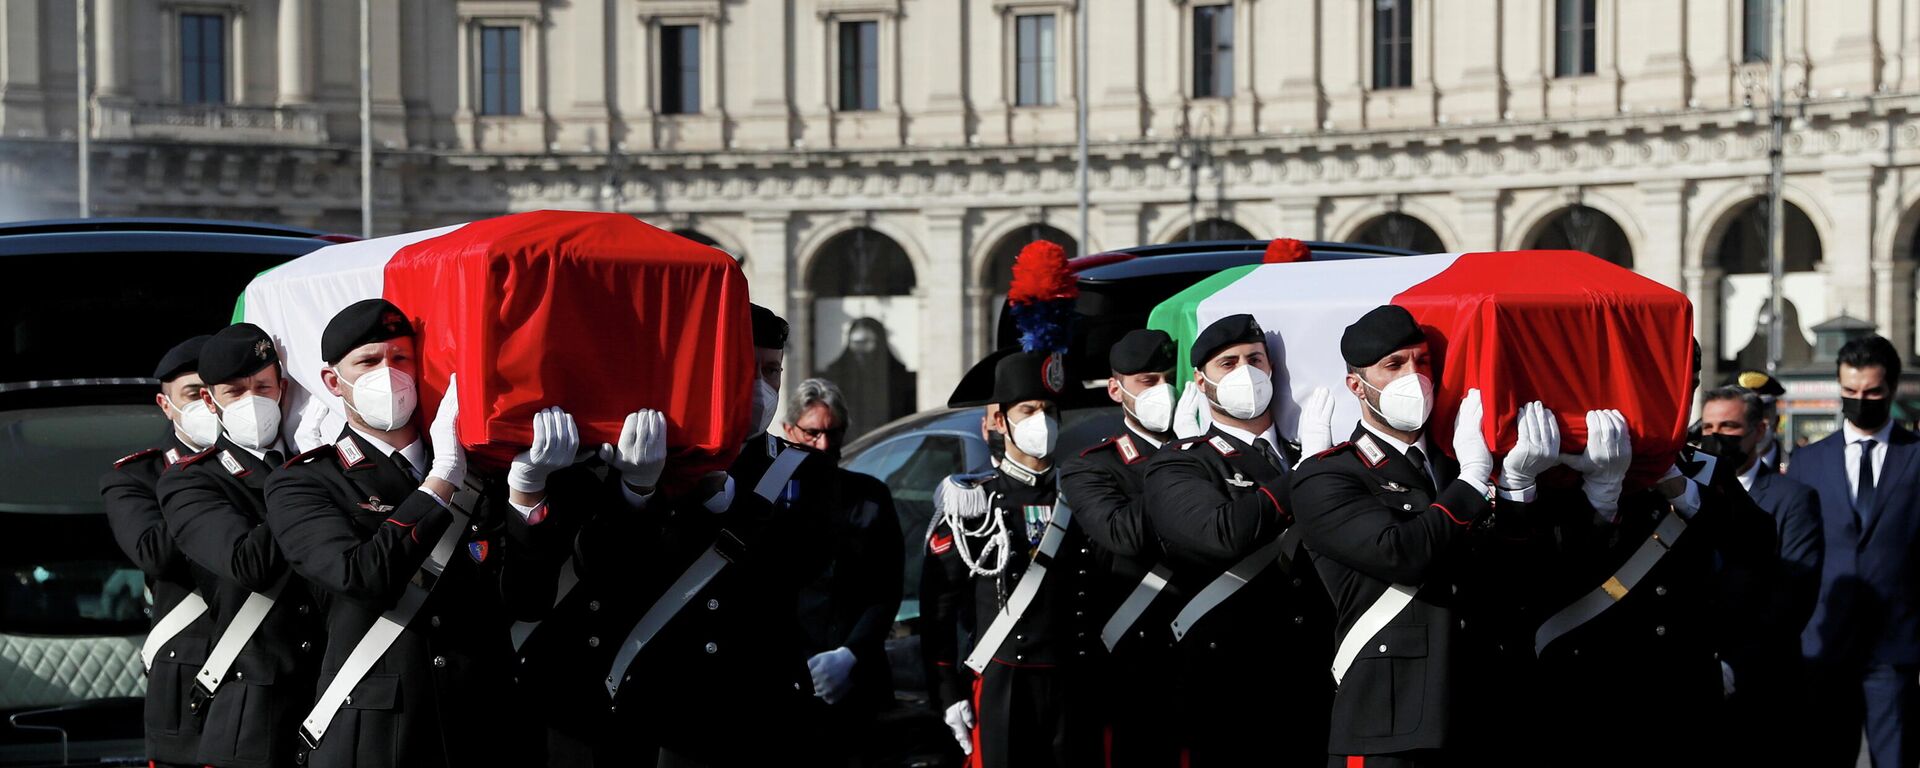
(1194, 152)
(1776, 180)
(83, 126)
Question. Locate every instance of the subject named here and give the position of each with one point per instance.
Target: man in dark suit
(1764, 666)
(1864, 638)
(847, 611)
(1252, 641)
(178, 641)
(250, 702)
(1389, 520)
(1107, 486)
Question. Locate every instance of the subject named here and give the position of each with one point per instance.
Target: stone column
(1300, 217)
(1851, 263)
(1480, 225)
(296, 29)
(944, 322)
(1121, 222)
(1658, 254)
(109, 76)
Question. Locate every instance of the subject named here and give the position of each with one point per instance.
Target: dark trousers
(1139, 732)
(1035, 717)
(1880, 698)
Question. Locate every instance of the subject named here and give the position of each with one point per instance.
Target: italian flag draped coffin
(597, 313)
(1562, 327)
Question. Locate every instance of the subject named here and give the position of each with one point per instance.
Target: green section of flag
(1176, 317)
(240, 302)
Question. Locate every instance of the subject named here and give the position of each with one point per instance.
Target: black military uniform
(1107, 483)
(1250, 673)
(1036, 700)
(133, 512)
(852, 605)
(353, 520)
(1383, 521)
(1655, 650)
(215, 504)
(724, 682)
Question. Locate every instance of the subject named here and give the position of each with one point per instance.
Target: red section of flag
(1567, 329)
(597, 313)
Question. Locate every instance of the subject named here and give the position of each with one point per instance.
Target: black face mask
(1868, 415)
(1724, 447)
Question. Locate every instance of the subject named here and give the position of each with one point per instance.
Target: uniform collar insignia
(350, 454)
(232, 464)
(1129, 452)
(173, 456)
(1370, 451)
(1020, 473)
(1220, 444)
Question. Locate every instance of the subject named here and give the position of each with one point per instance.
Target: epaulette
(1333, 450)
(310, 455)
(135, 455)
(1099, 445)
(188, 461)
(349, 451)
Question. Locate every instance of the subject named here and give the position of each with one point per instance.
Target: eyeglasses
(813, 435)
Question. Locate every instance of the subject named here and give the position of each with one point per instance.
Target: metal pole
(366, 119)
(1776, 181)
(1190, 155)
(83, 100)
(1086, 92)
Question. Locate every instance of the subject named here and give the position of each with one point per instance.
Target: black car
(88, 306)
(911, 455)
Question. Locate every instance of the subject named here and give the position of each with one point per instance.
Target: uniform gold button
(1660, 591)
(593, 642)
(1660, 630)
(593, 605)
(1383, 647)
(713, 605)
(439, 662)
(433, 621)
(713, 647)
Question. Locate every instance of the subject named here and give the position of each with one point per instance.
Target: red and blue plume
(1041, 297)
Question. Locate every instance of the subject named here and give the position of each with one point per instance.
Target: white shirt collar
(1747, 477)
(1855, 435)
(1272, 437)
(415, 452)
(1137, 435)
(1395, 442)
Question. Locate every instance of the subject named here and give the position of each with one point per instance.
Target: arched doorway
(1000, 268)
(1584, 229)
(1745, 290)
(1214, 229)
(866, 326)
(1398, 230)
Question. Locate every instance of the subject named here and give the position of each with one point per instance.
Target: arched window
(1580, 228)
(1398, 230)
(1745, 290)
(866, 326)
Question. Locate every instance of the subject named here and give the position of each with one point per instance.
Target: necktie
(275, 459)
(1261, 446)
(407, 466)
(1863, 491)
(1419, 462)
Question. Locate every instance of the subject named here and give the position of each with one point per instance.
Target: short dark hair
(1755, 407)
(1869, 351)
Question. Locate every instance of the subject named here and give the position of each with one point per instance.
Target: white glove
(1191, 415)
(1316, 422)
(642, 452)
(960, 720)
(1536, 450)
(832, 674)
(1470, 444)
(1609, 452)
(555, 440)
(449, 458)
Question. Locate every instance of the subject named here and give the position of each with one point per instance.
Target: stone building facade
(884, 158)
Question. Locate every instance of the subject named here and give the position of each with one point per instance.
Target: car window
(62, 572)
(912, 466)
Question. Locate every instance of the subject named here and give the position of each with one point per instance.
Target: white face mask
(196, 423)
(1243, 393)
(384, 397)
(1036, 435)
(1153, 407)
(1405, 402)
(252, 422)
(765, 401)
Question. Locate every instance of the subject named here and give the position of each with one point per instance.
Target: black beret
(1378, 333)
(769, 331)
(236, 351)
(183, 359)
(1143, 350)
(1023, 376)
(1762, 384)
(362, 322)
(1225, 332)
